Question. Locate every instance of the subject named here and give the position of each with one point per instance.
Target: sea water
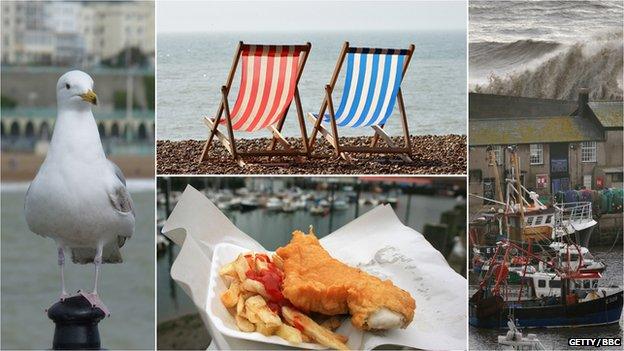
(192, 68)
(31, 279)
(546, 49)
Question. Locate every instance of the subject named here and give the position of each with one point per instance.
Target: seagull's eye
(67, 86)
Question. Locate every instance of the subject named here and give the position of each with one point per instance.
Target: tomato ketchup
(272, 278)
(297, 324)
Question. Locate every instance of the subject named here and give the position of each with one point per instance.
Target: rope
(614, 242)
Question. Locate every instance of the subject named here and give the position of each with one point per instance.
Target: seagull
(79, 197)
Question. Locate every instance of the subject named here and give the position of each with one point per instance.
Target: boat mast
(515, 169)
(499, 192)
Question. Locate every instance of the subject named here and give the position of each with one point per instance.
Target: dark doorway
(115, 130)
(142, 134)
(559, 167)
(30, 130)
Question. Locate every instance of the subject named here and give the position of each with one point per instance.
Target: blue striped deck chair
(372, 88)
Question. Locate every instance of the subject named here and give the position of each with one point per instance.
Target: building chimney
(583, 99)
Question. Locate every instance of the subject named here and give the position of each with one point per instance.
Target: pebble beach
(431, 154)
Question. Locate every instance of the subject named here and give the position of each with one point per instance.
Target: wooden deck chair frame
(332, 137)
(229, 141)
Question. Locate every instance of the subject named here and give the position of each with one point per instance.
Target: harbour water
(273, 229)
(30, 279)
(557, 338)
(192, 67)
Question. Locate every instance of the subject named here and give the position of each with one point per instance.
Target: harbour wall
(609, 230)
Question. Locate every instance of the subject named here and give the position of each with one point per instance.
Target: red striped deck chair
(269, 78)
(372, 87)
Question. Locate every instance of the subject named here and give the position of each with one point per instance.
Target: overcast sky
(194, 16)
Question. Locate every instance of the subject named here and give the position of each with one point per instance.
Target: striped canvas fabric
(268, 81)
(372, 81)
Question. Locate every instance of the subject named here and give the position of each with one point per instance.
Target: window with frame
(587, 181)
(538, 220)
(588, 151)
(498, 154)
(537, 154)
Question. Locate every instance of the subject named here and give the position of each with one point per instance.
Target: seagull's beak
(89, 96)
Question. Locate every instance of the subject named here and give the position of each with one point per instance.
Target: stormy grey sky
(194, 16)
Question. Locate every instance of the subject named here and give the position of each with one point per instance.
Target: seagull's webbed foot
(64, 295)
(93, 297)
(95, 301)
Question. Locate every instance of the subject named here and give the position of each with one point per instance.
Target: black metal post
(358, 184)
(76, 324)
(332, 195)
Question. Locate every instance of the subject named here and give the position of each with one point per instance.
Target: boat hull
(605, 310)
(583, 236)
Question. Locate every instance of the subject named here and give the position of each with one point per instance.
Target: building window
(617, 177)
(587, 181)
(537, 154)
(498, 154)
(588, 151)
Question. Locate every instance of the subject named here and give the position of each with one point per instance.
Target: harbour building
(561, 144)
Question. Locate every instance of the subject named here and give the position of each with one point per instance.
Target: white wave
(559, 73)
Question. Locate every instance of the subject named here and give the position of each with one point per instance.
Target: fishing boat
(521, 213)
(274, 204)
(580, 301)
(318, 210)
(580, 258)
(560, 298)
(249, 203)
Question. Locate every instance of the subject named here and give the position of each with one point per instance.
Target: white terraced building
(74, 33)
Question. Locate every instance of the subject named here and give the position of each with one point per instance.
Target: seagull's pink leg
(97, 260)
(61, 263)
(93, 297)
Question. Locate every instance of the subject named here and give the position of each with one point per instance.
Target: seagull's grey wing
(121, 200)
(117, 171)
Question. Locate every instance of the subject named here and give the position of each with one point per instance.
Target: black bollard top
(75, 309)
(76, 324)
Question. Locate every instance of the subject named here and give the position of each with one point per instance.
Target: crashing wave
(595, 65)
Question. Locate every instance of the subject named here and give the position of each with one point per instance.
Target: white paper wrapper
(376, 242)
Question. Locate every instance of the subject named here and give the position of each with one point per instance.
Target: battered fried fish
(314, 281)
